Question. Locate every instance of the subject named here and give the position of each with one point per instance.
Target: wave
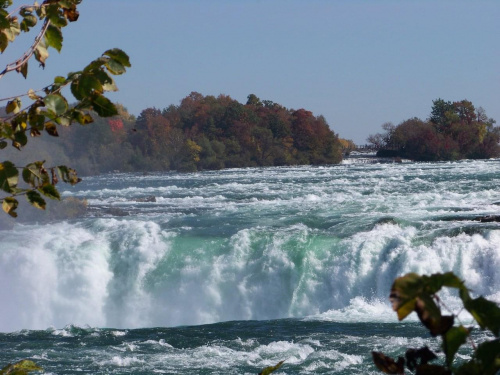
(133, 273)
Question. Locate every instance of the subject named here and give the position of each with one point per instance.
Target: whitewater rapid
(321, 243)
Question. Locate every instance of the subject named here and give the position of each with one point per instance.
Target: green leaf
(5, 3)
(23, 69)
(406, 309)
(103, 106)
(12, 31)
(59, 80)
(488, 355)
(9, 176)
(68, 174)
(4, 16)
(435, 282)
(486, 313)
(4, 42)
(50, 191)
(271, 369)
(41, 12)
(3, 144)
(20, 138)
(31, 174)
(36, 120)
(452, 340)
(107, 82)
(20, 368)
(95, 65)
(28, 22)
(55, 16)
(85, 85)
(25, 11)
(407, 290)
(56, 103)
(115, 67)
(13, 106)
(41, 54)
(54, 37)
(36, 200)
(63, 120)
(19, 122)
(404, 292)
(9, 205)
(118, 55)
(82, 118)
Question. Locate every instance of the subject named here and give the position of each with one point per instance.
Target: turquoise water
(243, 267)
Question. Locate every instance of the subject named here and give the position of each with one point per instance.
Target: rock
(149, 198)
(115, 211)
(489, 219)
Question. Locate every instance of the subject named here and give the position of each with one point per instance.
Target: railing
(366, 148)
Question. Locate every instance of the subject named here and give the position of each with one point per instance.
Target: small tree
(48, 108)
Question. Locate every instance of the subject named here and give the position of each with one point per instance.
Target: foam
(359, 310)
(269, 243)
(121, 361)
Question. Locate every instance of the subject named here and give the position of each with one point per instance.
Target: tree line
(210, 133)
(207, 132)
(453, 131)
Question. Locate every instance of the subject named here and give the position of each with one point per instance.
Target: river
(226, 272)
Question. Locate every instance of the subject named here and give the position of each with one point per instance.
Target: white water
(325, 243)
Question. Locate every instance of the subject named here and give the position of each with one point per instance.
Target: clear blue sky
(358, 63)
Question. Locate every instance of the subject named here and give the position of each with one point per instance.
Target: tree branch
(27, 55)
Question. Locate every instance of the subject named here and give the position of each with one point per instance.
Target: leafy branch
(41, 181)
(414, 293)
(49, 108)
(55, 15)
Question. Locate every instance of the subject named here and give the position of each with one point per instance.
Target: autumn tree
(454, 130)
(347, 145)
(208, 132)
(48, 109)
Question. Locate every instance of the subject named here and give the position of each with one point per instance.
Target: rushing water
(256, 265)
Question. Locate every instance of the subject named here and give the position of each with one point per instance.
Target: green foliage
(414, 293)
(48, 108)
(20, 368)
